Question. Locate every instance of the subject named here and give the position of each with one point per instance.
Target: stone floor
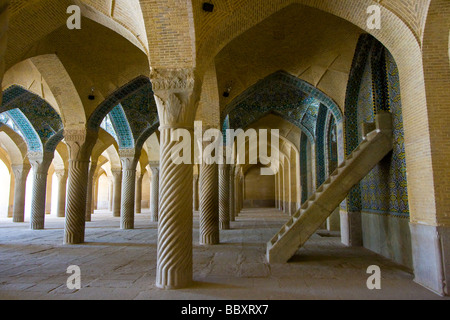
(119, 264)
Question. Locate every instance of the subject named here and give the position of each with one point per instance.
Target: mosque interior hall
(344, 104)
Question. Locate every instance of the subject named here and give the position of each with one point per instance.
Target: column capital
(92, 169)
(40, 161)
(129, 158)
(154, 164)
(116, 173)
(80, 143)
(21, 170)
(177, 95)
(173, 79)
(62, 173)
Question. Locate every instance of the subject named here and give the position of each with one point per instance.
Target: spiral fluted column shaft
(110, 194)
(195, 200)
(154, 196)
(117, 192)
(174, 267)
(76, 202)
(139, 193)
(90, 192)
(128, 199)
(241, 193)
(209, 205)
(48, 194)
(62, 186)
(238, 196)
(224, 196)
(232, 195)
(20, 177)
(38, 201)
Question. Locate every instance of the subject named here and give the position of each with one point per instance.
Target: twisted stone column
(195, 199)
(209, 204)
(232, 194)
(20, 179)
(117, 195)
(10, 209)
(80, 144)
(175, 220)
(40, 164)
(110, 194)
(224, 196)
(154, 196)
(61, 175)
(95, 194)
(129, 163)
(276, 191)
(139, 193)
(48, 193)
(176, 95)
(238, 196)
(90, 191)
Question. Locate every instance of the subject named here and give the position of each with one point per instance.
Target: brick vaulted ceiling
(315, 46)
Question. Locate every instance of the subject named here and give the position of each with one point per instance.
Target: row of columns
(21, 173)
(220, 191)
(76, 204)
(172, 201)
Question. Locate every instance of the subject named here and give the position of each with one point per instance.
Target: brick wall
(437, 81)
(3, 28)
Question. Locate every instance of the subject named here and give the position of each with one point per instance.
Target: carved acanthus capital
(92, 169)
(153, 164)
(80, 143)
(172, 79)
(61, 174)
(40, 161)
(155, 170)
(129, 158)
(21, 171)
(117, 173)
(177, 94)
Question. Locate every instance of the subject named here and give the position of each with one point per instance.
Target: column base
(431, 257)
(127, 226)
(70, 239)
(209, 240)
(224, 225)
(37, 225)
(17, 219)
(178, 281)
